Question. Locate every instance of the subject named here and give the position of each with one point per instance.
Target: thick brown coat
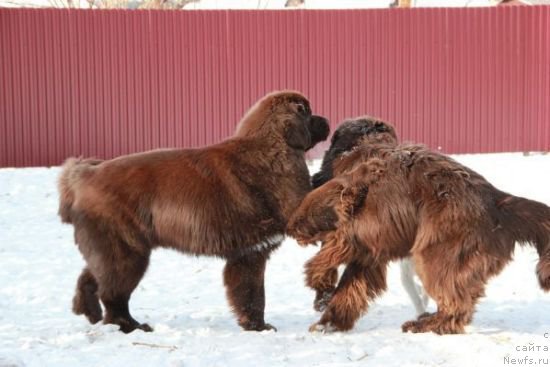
(392, 201)
(230, 200)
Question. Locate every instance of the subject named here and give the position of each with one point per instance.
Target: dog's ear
(297, 134)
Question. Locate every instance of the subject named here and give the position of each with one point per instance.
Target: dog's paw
(433, 323)
(322, 299)
(145, 327)
(412, 326)
(256, 326)
(322, 328)
(127, 327)
(269, 327)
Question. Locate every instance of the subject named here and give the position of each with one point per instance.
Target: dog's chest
(295, 186)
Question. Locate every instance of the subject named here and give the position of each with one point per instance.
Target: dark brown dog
(388, 202)
(230, 200)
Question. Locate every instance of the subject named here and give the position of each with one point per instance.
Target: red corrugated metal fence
(105, 83)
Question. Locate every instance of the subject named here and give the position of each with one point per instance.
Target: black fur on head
(349, 135)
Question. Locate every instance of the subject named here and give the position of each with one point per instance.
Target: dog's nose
(319, 128)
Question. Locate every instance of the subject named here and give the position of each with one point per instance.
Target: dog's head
(348, 136)
(285, 116)
(362, 130)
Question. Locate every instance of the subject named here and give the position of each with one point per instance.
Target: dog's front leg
(359, 284)
(322, 270)
(244, 282)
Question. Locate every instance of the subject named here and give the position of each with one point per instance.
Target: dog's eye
(380, 127)
(302, 108)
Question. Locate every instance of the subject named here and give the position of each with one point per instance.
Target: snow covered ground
(183, 299)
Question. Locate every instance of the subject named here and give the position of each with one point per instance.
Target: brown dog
(361, 131)
(388, 202)
(230, 200)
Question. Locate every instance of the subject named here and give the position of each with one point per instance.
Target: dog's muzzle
(318, 128)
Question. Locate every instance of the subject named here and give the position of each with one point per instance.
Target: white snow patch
(183, 298)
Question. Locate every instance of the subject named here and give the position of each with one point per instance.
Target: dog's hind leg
(114, 269)
(86, 301)
(359, 284)
(117, 280)
(455, 281)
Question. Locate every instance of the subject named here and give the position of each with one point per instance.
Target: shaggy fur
(230, 200)
(350, 135)
(389, 201)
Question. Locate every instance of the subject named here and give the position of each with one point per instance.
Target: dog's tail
(72, 171)
(528, 221)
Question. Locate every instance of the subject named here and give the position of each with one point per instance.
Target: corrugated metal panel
(105, 83)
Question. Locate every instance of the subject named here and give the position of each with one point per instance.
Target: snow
(182, 297)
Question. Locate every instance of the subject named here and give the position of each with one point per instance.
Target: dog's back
(463, 202)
